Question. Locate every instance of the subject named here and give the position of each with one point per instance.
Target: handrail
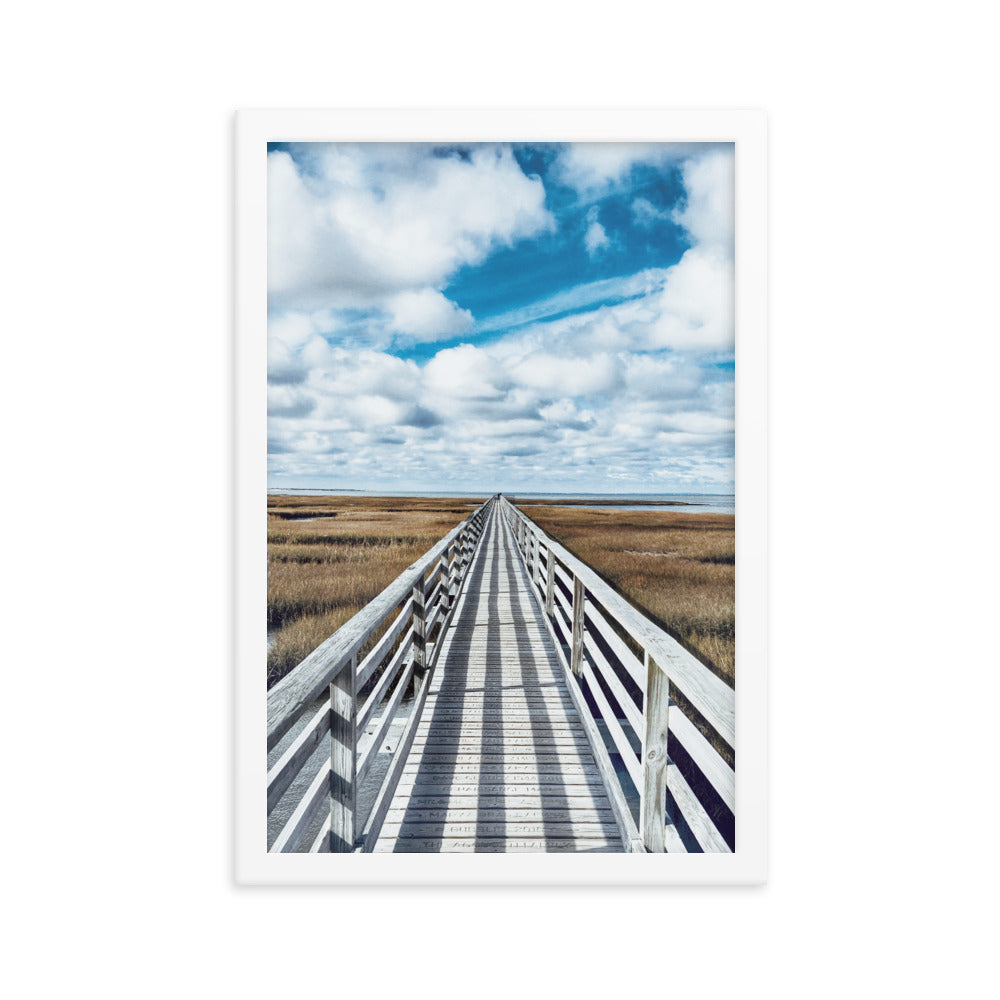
(306, 682)
(414, 611)
(685, 787)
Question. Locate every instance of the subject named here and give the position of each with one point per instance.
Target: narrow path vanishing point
(500, 760)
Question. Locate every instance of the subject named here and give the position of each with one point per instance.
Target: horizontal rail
(305, 683)
(406, 613)
(595, 628)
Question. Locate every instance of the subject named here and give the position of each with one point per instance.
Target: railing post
(550, 581)
(653, 794)
(576, 655)
(343, 759)
(453, 556)
(419, 636)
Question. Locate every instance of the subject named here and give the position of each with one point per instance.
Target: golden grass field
(327, 557)
(677, 567)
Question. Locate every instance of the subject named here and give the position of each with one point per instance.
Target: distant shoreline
(604, 503)
(528, 499)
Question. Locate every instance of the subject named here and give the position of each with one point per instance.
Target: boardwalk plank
(500, 760)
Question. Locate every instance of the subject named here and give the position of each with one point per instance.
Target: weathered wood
(550, 581)
(372, 748)
(452, 574)
(579, 772)
(419, 623)
(474, 814)
(498, 716)
(378, 692)
(579, 596)
(410, 828)
(653, 787)
(388, 787)
(371, 662)
(697, 819)
(578, 798)
(632, 665)
(626, 825)
(343, 760)
(627, 706)
(500, 751)
(502, 845)
(615, 730)
(284, 771)
(321, 844)
(431, 603)
(292, 695)
(506, 784)
(295, 827)
(711, 697)
(719, 774)
(448, 755)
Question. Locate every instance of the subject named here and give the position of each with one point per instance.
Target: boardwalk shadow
(505, 764)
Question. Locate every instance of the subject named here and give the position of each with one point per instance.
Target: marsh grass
(678, 568)
(321, 572)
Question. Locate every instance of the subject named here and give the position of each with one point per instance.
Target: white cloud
(591, 168)
(568, 376)
(694, 312)
(350, 228)
(626, 392)
(427, 315)
(708, 213)
(466, 373)
(595, 238)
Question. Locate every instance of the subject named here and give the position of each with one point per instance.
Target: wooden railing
(398, 634)
(673, 790)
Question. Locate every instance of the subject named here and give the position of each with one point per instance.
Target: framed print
(501, 497)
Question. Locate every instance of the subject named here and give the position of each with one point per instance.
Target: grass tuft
(678, 568)
(326, 565)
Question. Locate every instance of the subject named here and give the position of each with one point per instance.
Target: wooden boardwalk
(543, 716)
(500, 760)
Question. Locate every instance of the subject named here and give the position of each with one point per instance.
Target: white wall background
(116, 189)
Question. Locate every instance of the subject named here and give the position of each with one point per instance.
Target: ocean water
(711, 503)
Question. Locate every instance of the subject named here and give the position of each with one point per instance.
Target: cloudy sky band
(498, 317)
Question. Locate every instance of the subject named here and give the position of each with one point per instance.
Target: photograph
(501, 498)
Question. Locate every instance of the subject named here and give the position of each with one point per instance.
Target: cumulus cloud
(427, 315)
(625, 379)
(594, 167)
(694, 311)
(349, 227)
(708, 211)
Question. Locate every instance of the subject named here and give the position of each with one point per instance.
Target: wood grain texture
(500, 751)
(653, 788)
(608, 617)
(293, 694)
(712, 697)
(343, 760)
(500, 736)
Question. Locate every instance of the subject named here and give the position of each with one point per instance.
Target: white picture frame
(747, 129)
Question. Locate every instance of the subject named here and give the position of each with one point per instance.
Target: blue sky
(501, 317)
